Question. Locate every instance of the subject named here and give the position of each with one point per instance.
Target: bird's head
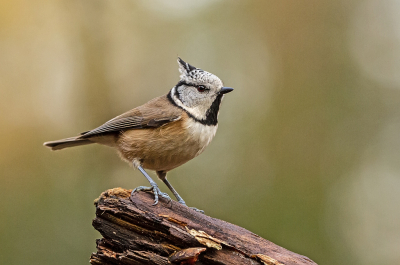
(199, 93)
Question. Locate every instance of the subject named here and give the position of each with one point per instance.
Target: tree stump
(136, 232)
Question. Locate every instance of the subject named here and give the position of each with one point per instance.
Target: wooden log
(136, 232)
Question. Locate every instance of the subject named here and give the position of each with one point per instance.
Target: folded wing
(154, 113)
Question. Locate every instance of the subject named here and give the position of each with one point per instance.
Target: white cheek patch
(199, 111)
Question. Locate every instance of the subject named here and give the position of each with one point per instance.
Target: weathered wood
(136, 232)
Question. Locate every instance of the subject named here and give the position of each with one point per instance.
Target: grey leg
(154, 188)
(163, 176)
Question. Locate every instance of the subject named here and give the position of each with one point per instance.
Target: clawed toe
(165, 195)
(197, 210)
(181, 201)
(155, 190)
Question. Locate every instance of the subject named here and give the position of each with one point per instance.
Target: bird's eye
(201, 88)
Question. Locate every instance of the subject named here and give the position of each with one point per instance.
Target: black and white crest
(187, 67)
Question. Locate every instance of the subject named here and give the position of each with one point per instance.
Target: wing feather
(154, 113)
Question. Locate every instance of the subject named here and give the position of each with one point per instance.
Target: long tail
(67, 142)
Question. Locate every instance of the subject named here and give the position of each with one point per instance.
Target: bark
(136, 232)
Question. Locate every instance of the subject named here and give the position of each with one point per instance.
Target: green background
(307, 151)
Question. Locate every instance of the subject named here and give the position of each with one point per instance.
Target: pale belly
(166, 147)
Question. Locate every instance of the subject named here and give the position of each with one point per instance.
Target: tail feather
(67, 142)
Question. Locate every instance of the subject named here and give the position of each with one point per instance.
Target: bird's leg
(163, 176)
(154, 188)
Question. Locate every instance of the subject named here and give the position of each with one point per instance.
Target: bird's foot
(193, 208)
(197, 210)
(157, 192)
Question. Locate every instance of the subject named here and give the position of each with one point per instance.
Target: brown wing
(154, 113)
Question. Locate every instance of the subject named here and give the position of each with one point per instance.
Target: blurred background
(308, 150)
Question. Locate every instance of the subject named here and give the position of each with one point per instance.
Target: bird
(165, 132)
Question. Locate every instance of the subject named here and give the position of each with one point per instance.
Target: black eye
(201, 88)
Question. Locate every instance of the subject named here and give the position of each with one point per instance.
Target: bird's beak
(225, 90)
